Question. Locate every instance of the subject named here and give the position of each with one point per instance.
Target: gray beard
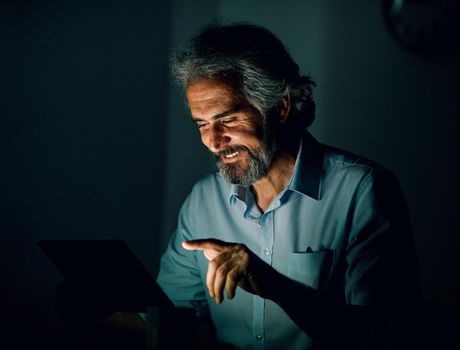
(259, 162)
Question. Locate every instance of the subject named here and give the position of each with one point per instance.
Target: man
(289, 234)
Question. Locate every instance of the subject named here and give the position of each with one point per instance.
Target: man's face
(233, 131)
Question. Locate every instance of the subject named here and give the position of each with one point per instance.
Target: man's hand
(231, 265)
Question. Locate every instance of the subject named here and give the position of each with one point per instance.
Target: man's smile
(231, 154)
(231, 157)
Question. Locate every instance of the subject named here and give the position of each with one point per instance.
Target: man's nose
(215, 138)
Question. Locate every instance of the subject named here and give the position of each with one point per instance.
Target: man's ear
(284, 109)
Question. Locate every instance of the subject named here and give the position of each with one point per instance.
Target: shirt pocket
(309, 267)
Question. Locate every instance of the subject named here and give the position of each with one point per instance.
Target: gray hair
(254, 61)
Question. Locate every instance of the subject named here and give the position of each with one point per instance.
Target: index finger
(202, 244)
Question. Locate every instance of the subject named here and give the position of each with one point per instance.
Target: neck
(277, 178)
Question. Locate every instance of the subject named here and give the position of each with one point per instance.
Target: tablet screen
(106, 267)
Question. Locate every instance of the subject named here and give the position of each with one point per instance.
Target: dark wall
(83, 103)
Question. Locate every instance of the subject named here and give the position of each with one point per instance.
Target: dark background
(95, 140)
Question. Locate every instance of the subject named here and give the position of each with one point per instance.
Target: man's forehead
(208, 88)
(212, 95)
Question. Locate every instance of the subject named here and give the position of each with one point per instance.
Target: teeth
(231, 155)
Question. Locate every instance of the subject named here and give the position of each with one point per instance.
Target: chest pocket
(309, 268)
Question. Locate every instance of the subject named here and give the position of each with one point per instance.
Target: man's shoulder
(353, 170)
(339, 159)
(325, 163)
(213, 179)
(347, 175)
(211, 185)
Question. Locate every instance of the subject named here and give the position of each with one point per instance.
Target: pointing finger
(210, 247)
(202, 244)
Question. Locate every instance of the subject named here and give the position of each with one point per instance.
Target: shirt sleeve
(382, 265)
(179, 274)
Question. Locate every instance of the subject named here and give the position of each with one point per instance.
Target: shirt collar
(236, 191)
(306, 178)
(307, 171)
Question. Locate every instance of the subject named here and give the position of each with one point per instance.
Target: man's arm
(329, 323)
(381, 271)
(232, 265)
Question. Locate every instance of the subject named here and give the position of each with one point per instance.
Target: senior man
(289, 234)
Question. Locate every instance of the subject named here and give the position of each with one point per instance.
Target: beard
(258, 162)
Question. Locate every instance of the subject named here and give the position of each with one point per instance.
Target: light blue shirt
(340, 226)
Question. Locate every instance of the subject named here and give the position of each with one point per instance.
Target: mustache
(230, 150)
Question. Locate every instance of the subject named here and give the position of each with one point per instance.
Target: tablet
(106, 268)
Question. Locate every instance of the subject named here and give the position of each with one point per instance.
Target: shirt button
(267, 251)
(259, 338)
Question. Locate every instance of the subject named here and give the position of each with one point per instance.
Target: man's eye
(228, 120)
(200, 125)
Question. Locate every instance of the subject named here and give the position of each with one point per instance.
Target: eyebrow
(221, 115)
